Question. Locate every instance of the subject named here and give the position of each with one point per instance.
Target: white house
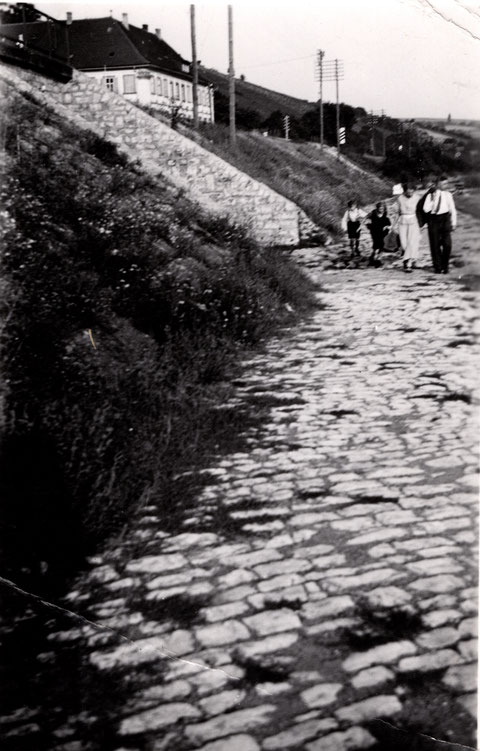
(137, 64)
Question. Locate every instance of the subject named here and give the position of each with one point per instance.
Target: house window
(110, 83)
(185, 68)
(158, 86)
(171, 89)
(177, 91)
(183, 92)
(189, 93)
(129, 84)
(165, 87)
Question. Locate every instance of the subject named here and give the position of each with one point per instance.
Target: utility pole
(231, 80)
(319, 72)
(333, 71)
(194, 68)
(338, 108)
(377, 123)
(384, 135)
(372, 136)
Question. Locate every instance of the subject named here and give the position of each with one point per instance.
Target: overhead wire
(278, 62)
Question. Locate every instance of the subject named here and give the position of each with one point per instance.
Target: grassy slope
(316, 181)
(126, 307)
(250, 96)
(469, 201)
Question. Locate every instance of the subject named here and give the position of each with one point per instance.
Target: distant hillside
(444, 121)
(249, 96)
(396, 149)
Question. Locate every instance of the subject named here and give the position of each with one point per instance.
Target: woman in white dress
(408, 227)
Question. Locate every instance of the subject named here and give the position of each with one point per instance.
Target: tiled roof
(97, 43)
(101, 43)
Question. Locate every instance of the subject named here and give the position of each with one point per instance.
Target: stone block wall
(221, 188)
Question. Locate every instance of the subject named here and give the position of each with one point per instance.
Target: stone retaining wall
(271, 218)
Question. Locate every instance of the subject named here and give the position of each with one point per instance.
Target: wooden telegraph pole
(333, 71)
(319, 71)
(384, 135)
(231, 80)
(194, 68)
(338, 107)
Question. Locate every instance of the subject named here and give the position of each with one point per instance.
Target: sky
(410, 58)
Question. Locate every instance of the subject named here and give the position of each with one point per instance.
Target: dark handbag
(392, 242)
(422, 217)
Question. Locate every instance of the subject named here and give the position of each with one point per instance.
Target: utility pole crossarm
(330, 70)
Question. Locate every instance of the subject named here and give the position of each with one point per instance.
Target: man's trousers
(440, 238)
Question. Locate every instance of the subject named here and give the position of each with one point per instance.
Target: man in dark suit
(437, 209)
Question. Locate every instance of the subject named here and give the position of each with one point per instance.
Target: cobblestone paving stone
(348, 565)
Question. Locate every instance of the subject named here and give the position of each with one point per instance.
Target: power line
(277, 62)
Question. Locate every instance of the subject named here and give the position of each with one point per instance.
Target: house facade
(137, 64)
(126, 59)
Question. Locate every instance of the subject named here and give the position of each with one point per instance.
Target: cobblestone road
(344, 590)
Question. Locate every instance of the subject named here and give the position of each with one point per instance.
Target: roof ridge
(160, 39)
(127, 44)
(132, 45)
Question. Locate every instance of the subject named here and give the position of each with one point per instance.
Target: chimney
(158, 32)
(125, 20)
(69, 18)
(145, 26)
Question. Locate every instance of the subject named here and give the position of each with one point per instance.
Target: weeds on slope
(126, 306)
(314, 180)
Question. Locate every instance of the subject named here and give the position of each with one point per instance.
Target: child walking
(378, 223)
(351, 223)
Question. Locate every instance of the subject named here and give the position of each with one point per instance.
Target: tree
(245, 118)
(274, 123)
